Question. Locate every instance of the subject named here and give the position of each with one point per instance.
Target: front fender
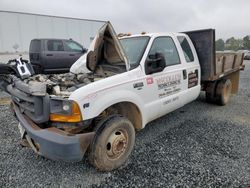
(100, 101)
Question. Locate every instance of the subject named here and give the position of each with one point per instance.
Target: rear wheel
(209, 97)
(223, 92)
(210, 92)
(113, 143)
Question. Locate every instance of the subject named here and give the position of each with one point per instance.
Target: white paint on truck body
(155, 95)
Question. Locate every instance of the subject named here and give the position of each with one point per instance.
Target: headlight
(66, 107)
(64, 111)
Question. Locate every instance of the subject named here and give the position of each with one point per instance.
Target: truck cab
(169, 70)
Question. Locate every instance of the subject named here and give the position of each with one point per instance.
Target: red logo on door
(150, 80)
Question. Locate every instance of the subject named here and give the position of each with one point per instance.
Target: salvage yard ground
(198, 145)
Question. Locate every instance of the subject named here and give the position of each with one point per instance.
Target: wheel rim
(117, 144)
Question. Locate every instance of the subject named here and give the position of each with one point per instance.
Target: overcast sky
(228, 17)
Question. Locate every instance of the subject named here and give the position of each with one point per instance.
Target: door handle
(49, 54)
(71, 54)
(184, 74)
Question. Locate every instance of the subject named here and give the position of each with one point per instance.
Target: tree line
(233, 44)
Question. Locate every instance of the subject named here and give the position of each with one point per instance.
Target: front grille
(35, 107)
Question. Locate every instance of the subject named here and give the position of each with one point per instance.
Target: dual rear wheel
(219, 92)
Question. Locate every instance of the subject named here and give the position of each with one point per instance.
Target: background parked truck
(54, 55)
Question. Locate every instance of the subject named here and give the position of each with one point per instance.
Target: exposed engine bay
(65, 84)
(62, 84)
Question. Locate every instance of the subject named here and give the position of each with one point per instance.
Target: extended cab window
(166, 47)
(72, 46)
(186, 48)
(55, 45)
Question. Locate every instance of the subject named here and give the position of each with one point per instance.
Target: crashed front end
(52, 125)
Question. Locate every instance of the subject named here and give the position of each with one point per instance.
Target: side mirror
(155, 63)
(84, 50)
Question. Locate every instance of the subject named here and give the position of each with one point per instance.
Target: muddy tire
(223, 92)
(112, 144)
(209, 97)
(210, 92)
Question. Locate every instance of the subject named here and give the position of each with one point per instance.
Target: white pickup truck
(116, 88)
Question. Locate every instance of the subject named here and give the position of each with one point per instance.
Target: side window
(186, 49)
(165, 46)
(72, 46)
(35, 46)
(55, 45)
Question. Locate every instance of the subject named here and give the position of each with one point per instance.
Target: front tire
(113, 143)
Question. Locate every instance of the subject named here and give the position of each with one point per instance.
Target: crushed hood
(105, 48)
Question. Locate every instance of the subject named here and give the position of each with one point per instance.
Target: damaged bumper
(53, 143)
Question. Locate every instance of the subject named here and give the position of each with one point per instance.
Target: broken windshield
(134, 47)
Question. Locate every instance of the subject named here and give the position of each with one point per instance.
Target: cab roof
(151, 34)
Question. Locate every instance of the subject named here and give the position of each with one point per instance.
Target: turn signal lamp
(72, 117)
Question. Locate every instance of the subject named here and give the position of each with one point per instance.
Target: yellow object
(74, 117)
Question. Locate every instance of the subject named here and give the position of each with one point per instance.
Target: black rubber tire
(223, 92)
(98, 153)
(210, 93)
(209, 97)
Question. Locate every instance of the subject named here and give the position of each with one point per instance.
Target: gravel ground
(199, 145)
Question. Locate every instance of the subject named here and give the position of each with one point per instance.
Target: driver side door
(163, 66)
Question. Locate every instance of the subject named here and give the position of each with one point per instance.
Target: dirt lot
(199, 145)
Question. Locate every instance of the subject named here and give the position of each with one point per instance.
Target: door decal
(170, 100)
(193, 79)
(169, 85)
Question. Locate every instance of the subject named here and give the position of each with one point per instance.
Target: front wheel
(113, 143)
